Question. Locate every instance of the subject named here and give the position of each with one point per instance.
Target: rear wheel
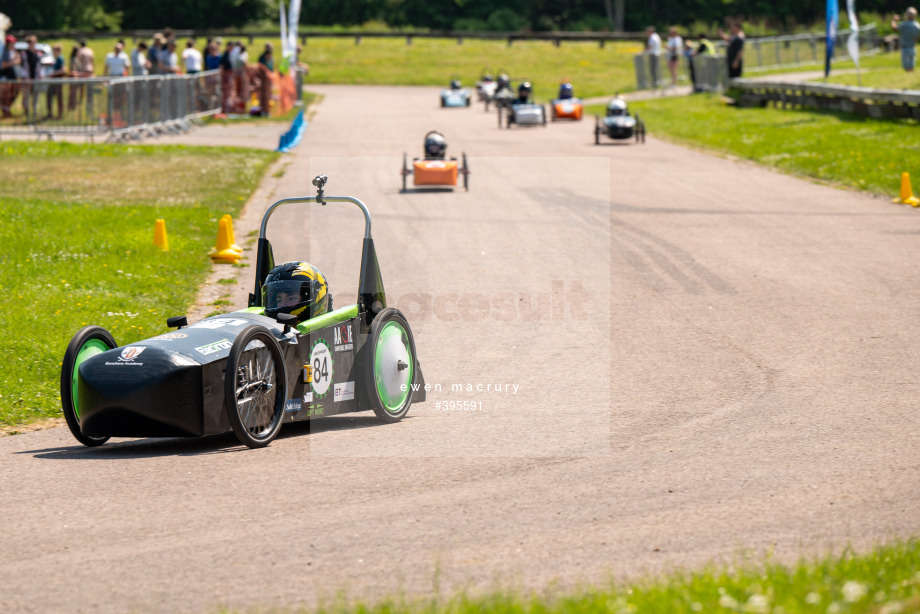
(390, 365)
(405, 171)
(88, 342)
(255, 387)
(466, 174)
(543, 110)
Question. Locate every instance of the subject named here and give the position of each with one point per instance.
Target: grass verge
(76, 248)
(885, 580)
(849, 150)
(882, 71)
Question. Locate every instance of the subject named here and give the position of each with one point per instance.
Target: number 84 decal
(320, 367)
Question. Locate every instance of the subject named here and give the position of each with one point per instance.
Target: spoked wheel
(643, 133)
(499, 107)
(597, 135)
(544, 116)
(405, 171)
(89, 341)
(390, 368)
(466, 174)
(255, 387)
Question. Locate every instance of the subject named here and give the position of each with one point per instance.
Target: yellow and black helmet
(297, 288)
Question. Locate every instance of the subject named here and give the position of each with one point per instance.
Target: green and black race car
(252, 370)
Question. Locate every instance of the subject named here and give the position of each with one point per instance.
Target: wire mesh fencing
(118, 108)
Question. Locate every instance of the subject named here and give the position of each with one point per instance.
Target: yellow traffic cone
(233, 244)
(222, 252)
(907, 194)
(159, 235)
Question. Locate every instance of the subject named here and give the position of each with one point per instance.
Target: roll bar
(371, 295)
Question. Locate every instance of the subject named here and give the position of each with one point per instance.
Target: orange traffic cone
(907, 194)
(233, 244)
(159, 235)
(223, 253)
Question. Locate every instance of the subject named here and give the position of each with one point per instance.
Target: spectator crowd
(21, 64)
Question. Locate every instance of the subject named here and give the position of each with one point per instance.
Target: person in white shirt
(192, 58)
(140, 65)
(653, 49)
(675, 49)
(117, 61)
(169, 61)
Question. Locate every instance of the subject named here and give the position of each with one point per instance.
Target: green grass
(883, 71)
(848, 150)
(593, 71)
(883, 581)
(76, 248)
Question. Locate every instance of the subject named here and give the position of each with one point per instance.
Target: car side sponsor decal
(342, 338)
(308, 397)
(128, 356)
(321, 368)
(211, 348)
(292, 405)
(169, 336)
(344, 391)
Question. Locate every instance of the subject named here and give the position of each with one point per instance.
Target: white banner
(293, 21)
(853, 40)
(285, 52)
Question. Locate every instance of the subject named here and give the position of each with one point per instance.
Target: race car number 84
(321, 371)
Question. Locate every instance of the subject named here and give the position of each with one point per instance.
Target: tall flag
(853, 41)
(285, 52)
(832, 15)
(293, 20)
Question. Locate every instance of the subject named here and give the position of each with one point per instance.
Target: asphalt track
(711, 360)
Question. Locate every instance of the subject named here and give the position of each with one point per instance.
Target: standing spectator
(117, 62)
(704, 48)
(241, 76)
(735, 51)
(31, 64)
(266, 59)
(140, 65)
(153, 55)
(653, 49)
(192, 58)
(675, 50)
(688, 53)
(226, 78)
(84, 64)
(908, 32)
(9, 61)
(212, 55)
(169, 60)
(56, 90)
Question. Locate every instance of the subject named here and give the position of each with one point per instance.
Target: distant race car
(486, 87)
(521, 111)
(435, 169)
(566, 106)
(286, 358)
(619, 124)
(501, 94)
(456, 95)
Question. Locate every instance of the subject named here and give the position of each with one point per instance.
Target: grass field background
(594, 71)
(848, 150)
(76, 247)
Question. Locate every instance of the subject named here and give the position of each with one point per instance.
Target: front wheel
(89, 341)
(390, 366)
(466, 174)
(255, 387)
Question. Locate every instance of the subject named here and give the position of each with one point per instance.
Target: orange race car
(566, 106)
(435, 169)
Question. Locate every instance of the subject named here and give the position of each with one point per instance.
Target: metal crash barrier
(122, 108)
(760, 54)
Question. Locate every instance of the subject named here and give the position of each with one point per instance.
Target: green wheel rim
(89, 349)
(392, 332)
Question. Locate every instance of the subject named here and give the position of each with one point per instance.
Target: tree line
(501, 15)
